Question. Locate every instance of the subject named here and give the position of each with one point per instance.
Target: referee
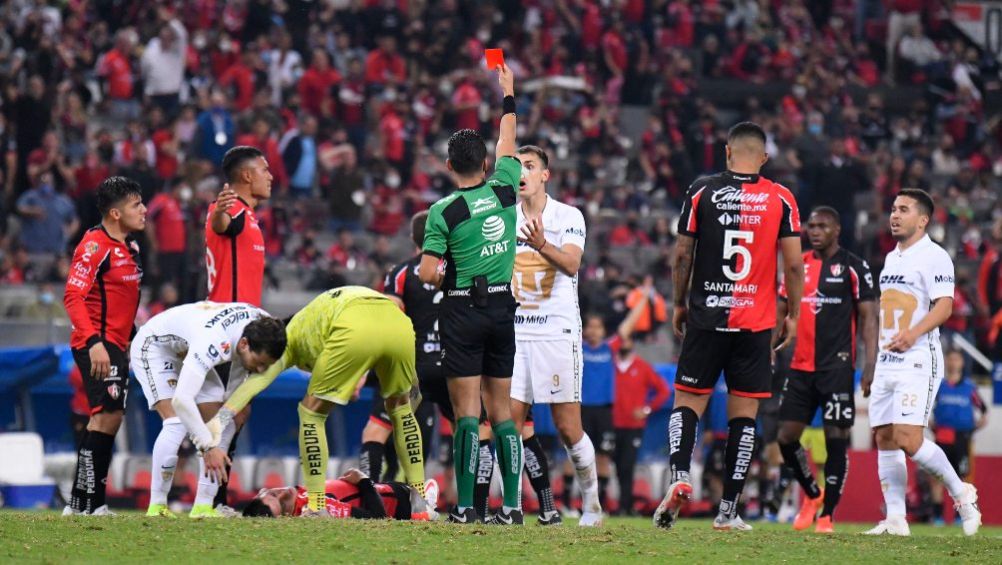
(473, 230)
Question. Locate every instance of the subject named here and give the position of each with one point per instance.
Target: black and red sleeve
(688, 221)
(863, 287)
(371, 503)
(789, 224)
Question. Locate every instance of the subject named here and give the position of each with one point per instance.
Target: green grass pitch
(50, 538)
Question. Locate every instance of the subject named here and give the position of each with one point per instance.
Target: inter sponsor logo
(726, 219)
(311, 445)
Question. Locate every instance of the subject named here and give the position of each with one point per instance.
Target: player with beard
(916, 298)
(838, 290)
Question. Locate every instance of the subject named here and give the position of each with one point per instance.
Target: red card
(495, 58)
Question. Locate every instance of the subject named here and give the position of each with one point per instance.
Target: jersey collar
(741, 177)
(918, 245)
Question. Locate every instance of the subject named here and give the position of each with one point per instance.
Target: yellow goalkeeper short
(368, 335)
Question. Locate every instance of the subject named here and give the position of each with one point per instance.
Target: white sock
(582, 454)
(931, 458)
(892, 469)
(207, 488)
(165, 459)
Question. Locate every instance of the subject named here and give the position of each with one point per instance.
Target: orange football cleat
(824, 526)
(808, 511)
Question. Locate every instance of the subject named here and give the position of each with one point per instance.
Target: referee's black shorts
(478, 341)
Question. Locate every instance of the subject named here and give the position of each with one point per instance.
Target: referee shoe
(510, 518)
(468, 516)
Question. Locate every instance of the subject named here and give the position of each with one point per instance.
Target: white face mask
(185, 194)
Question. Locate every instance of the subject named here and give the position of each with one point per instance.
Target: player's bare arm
(793, 272)
(429, 272)
(506, 138)
(869, 328)
(567, 259)
(940, 312)
(220, 215)
(685, 249)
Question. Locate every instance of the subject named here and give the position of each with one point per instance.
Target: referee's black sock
(222, 495)
(370, 460)
(795, 458)
(485, 475)
(538, 469)
(836, 468)
(738, 458)
(101, 445)
(681, 442)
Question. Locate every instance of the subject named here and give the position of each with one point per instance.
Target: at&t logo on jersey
(493, 229)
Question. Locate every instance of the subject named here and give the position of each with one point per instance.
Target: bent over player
(338, 338)
(174, 357)
(738, 219)
(838, 289)
(916, 297)
(102, 296)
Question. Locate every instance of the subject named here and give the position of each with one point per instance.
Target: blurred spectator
(840, 178)
(115, 67)
(163, 62)
(316, 84)
(48, 217)
(384, 66)
(299, 153)
(216, 130)
(167, 225)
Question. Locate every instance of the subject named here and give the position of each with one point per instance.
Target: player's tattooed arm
(682, 268)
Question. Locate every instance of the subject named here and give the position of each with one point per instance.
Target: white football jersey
(205, 333)
(909, 283)
(548, 299)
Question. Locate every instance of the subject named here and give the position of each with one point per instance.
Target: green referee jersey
(474, 229)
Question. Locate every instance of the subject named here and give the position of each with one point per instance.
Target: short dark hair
(266, 335)
(828, 211)
(745, 130)
(417, 227)
(113, 190)
(537, 151)
(467, 152)
(235, 158)
(257, 509)
(925, 202)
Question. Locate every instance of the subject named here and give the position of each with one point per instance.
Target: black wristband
(93, 340)
(508, 105)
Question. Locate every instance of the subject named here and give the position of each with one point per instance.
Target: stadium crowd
(351, 102)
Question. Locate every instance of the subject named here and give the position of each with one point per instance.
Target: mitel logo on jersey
(482, 205)
(892, 279)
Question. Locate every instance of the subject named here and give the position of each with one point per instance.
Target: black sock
(603, 486)
(538, 469)
(795, 458)
(370, 460)
(485, 474)
(737, 458)
(101, 445)
(681, 442)
(836, 469)
(568, 487)
(85, 469)
(785, 479)
(223, 494)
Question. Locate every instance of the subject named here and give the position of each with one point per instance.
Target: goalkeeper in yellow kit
(339, 337)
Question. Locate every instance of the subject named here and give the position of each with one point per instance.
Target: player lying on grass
(353, 495)
(174, 357)
(338, 338)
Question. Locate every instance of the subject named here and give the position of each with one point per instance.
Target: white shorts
(157, 367)
(547, 372)
(902, 397)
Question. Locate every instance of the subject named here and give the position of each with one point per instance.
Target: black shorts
(478, 341)
(958, 453)
(108, 395)
(743, 357)
(597, 423)
(832, 391)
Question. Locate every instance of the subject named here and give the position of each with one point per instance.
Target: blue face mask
(46, 298)
(814, 129)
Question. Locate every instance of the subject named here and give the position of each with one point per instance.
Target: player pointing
(738, 218)
(916, 297)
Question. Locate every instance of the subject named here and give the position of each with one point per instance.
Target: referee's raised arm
(506, 138)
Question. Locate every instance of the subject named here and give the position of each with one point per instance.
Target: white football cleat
(679, 494)
(570, 512)
(102, 511)
(724, 524)
(431, 491)
(69, 511)
(967, 507)
(892, 526)
(590, 520)
(225, 511)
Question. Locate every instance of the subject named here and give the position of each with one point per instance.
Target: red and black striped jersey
(102, 289)
(421, 306)
(737, 220)
(833, 289)
(234, 259)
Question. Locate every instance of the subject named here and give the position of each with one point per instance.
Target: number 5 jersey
(737, 221)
